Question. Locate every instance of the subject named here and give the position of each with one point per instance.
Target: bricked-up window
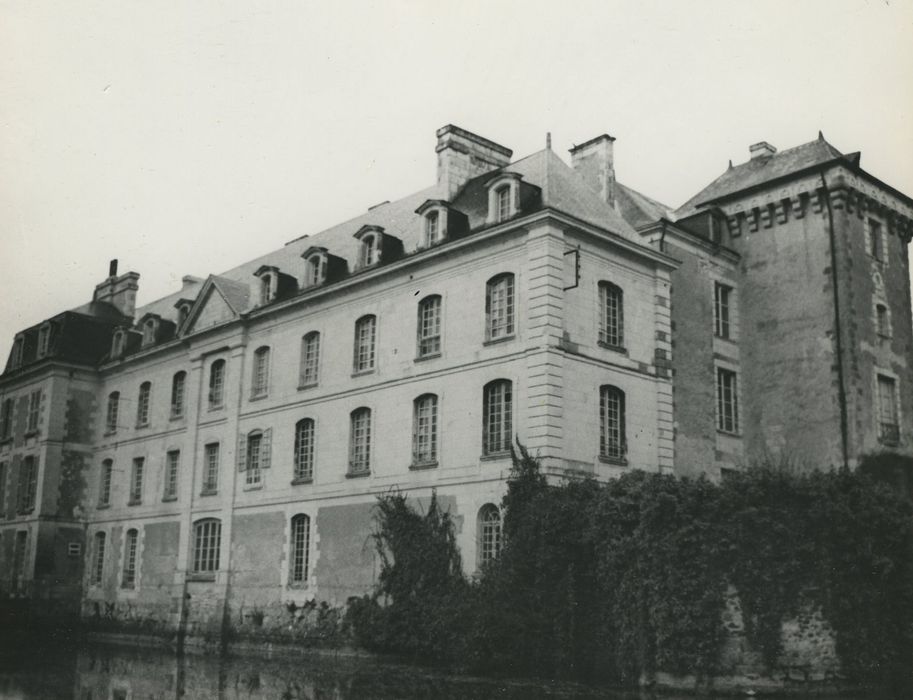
(211, 468)
(260, 378)
(365, 332)
(98, 558)
(254, 456)
(497, 412)
(370, 250)
(28, 484)
(360, 442)
(888, 425)
(502, 200)
(136, 481)
(6, 419)
(727, 401)
(489, 529)
(142, 404)
(611, 315)
(722, 296)
(499, 307)
(612, 440)
(432, 228)
(111, 415)
(104, 484)
(300, 549)
(217, 384)
(424, 430)
(131, 542)
(310, 359)
(875, 242)
(34, 411)
(882, 321)
(207, 537)
(304, 450)
(429, 326)
(172, 464)
(178, 385)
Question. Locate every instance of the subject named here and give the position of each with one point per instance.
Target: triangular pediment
(216, 304)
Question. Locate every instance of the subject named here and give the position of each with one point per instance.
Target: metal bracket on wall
(576, 253)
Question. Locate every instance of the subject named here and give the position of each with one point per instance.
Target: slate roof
(637, 208)
(758, 171)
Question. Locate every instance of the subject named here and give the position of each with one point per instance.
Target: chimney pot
(463, 155)
(761, 149)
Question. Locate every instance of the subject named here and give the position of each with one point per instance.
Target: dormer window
(503, 197)
(16, 357)
(432, 227)
(149, 328)
(183, 313)
(44, 340)
(316, 270)
(117, 344)
(320, 266)
(269, 284)
(370, 250)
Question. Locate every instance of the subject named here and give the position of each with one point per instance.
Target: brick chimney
(461, 155)
(120, 292)
(761, 149)
(594, 160)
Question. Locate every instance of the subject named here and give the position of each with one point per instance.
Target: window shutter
(242, 453)
(265, 443)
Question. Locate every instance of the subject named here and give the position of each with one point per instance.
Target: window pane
(300, 549)
(424, 441)
(497, 417)
(304, 449)
(612, 422)
(360, 452)
(500, 305)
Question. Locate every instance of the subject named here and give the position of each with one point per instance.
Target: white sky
(187, 137)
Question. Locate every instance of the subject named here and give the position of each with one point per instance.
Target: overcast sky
(187, 137)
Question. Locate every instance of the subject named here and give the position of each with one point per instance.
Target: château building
(221, 449)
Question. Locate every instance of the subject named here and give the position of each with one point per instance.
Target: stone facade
(199, 465)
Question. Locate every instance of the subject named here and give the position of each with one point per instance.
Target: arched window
(304, 450)
(502, 198)
(111, 415)
(217, 384)
(360, 442)
(611, 315)
(882, 321)
(131, 541)
(612, 443)
(149, 332)
(98, 562)
(299, 551)
(266, 282)
(117, 344)
(260, 378)
(429, 326)
(104, 484)
(499, 307)
(316, 270)
(370, 250)
(207, 543)
(183, 313)
(365, 333)
(142, 404)
(424, 430)
(178, 383)
(497, 417)
(432, 228)
(310, 359)
(489, 528)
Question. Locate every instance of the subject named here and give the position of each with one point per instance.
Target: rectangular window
(104, 486)
(499, 307)
(34, 410)
(721, 297)
(875, 242)
(216, 384)
(304, 450)
(360, 446)
(260, 380)
(2, 490)
(429, 326)
(254, 443)
(310, 356)
(142, 404)
(611, 315)
(211, 468)
(301, 545)
(6, 419)
(98, 566)
(207, 536)
(889, 428)
(111, 416)
(612, 423)
(28, 484)
(727, 401)
(128, 579)
(136, 481)
(177, 394)
(364, 343)
(424, 431)
(172, 462)
(497, 419)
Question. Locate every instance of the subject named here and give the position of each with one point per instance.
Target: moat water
(105, 672)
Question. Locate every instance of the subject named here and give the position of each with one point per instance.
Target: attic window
(315, 269)
(117, 344)
(266, 289)
(149, 328)
(432, 228)
(183, 313)
(44, 340)
(16, 358)
(503, 202)
(370, 250)
(503, 197)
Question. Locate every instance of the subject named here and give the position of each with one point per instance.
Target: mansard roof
(765, 169)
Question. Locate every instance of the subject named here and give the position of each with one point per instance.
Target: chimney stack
(120, 292)
(761, 149)
(594, 161)
(462, 155)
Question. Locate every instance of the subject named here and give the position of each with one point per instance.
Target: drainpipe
(841, 382)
